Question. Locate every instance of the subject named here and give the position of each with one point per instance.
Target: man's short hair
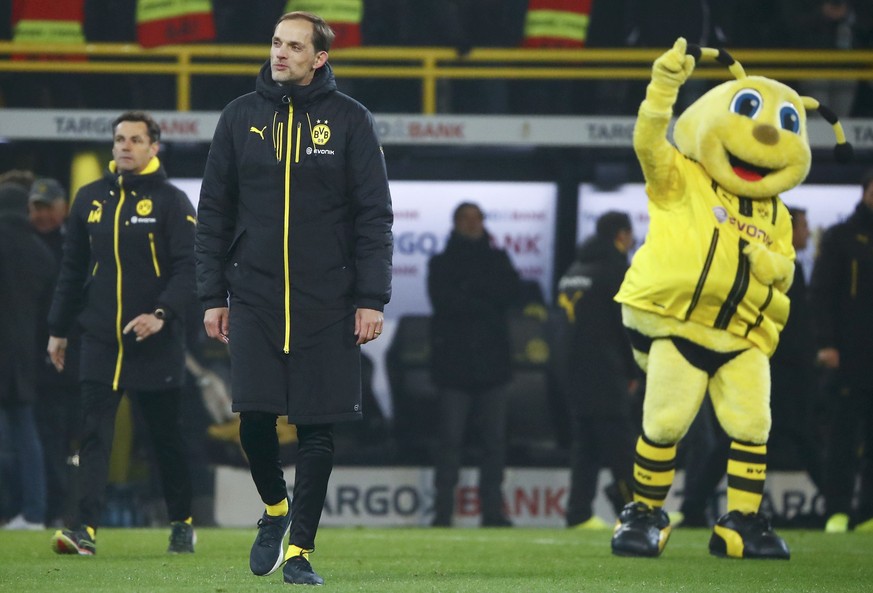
(322, 34)
(154, 130)
(610, 223)
(464, 205)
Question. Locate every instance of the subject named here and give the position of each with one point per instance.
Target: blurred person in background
(793, 375)
(842, 299)
(601, 376)
(57, 414)
(471, 286)
(26, 273)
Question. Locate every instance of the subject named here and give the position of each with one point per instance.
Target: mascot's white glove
(669, 73)
(771, 268)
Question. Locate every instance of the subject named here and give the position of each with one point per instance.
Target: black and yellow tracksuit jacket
(129, 250)
(692, 266)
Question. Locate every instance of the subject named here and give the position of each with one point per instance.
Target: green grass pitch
(436, 561)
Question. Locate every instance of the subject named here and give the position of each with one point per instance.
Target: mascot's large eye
(789, 118)
(747, 102)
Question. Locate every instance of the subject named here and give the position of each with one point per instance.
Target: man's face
(800, 226)
(45, 218)
(132, 148)
(293, 58)
(867, 198)
(469, 223)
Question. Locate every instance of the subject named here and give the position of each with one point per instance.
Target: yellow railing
(426, 64)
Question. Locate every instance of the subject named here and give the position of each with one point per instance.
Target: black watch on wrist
(160, 313)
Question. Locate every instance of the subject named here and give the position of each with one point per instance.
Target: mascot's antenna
(843, 151)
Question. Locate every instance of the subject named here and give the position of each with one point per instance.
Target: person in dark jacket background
(600, 374)
(127, 276)
(471, 286)
(842, 297)
(57, 414)
(293, 254)
(26, 274)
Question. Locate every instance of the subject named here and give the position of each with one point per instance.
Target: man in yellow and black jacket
(127, 275)
(293, 253)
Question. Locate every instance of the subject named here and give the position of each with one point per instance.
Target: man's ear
(320, 60)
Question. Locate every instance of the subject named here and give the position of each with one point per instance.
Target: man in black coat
(127, 276)
(471, 286)
(58, 393)
(293, 256)
(26, 274)
(599, 370)
(842, 298)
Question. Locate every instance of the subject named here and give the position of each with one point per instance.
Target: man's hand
(368, 325)
(144, 325)
(57, 351)
(217, 324)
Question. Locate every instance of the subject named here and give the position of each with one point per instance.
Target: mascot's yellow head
(750, 133)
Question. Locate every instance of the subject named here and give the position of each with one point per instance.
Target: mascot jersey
(691, 266)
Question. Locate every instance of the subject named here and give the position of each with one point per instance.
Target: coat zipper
(154, 255)
(853, 290)
(286, 347)
(117, 252)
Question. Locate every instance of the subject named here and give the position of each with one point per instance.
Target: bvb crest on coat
(144, 207)
(320, 133)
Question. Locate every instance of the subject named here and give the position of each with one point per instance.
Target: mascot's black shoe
(641, 531)
(737, 535)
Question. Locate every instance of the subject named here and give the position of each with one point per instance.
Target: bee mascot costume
(704, 299)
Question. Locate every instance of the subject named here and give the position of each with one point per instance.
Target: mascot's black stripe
(703, 274)
(746, 206)
(655, 466)
(655, 492)
(738, 290)
(774, 202)
(760, 317)
(746, 485)
(748, 456)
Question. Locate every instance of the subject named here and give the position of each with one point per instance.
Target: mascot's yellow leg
(740, 392)
(674, 391)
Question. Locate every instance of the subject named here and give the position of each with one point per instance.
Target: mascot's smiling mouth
(747, 171)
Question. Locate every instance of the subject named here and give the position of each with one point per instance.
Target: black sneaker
(182, 538)
(641, 531)
(739, 535)
(74, 541)
(268, 552)
(497, 521)
(298, 571)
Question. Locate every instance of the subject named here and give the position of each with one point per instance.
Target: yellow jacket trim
(118, 320)
(286, 346)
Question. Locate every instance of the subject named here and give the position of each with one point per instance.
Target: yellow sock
(92, 532)
(296, 551)
(279, 509)
(654, 470)
(746, 471)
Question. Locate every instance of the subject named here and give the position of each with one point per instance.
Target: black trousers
(490, 408)
(851, 432)
(160, 409)
(58, 418)
(597, 442)
(258, 438)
